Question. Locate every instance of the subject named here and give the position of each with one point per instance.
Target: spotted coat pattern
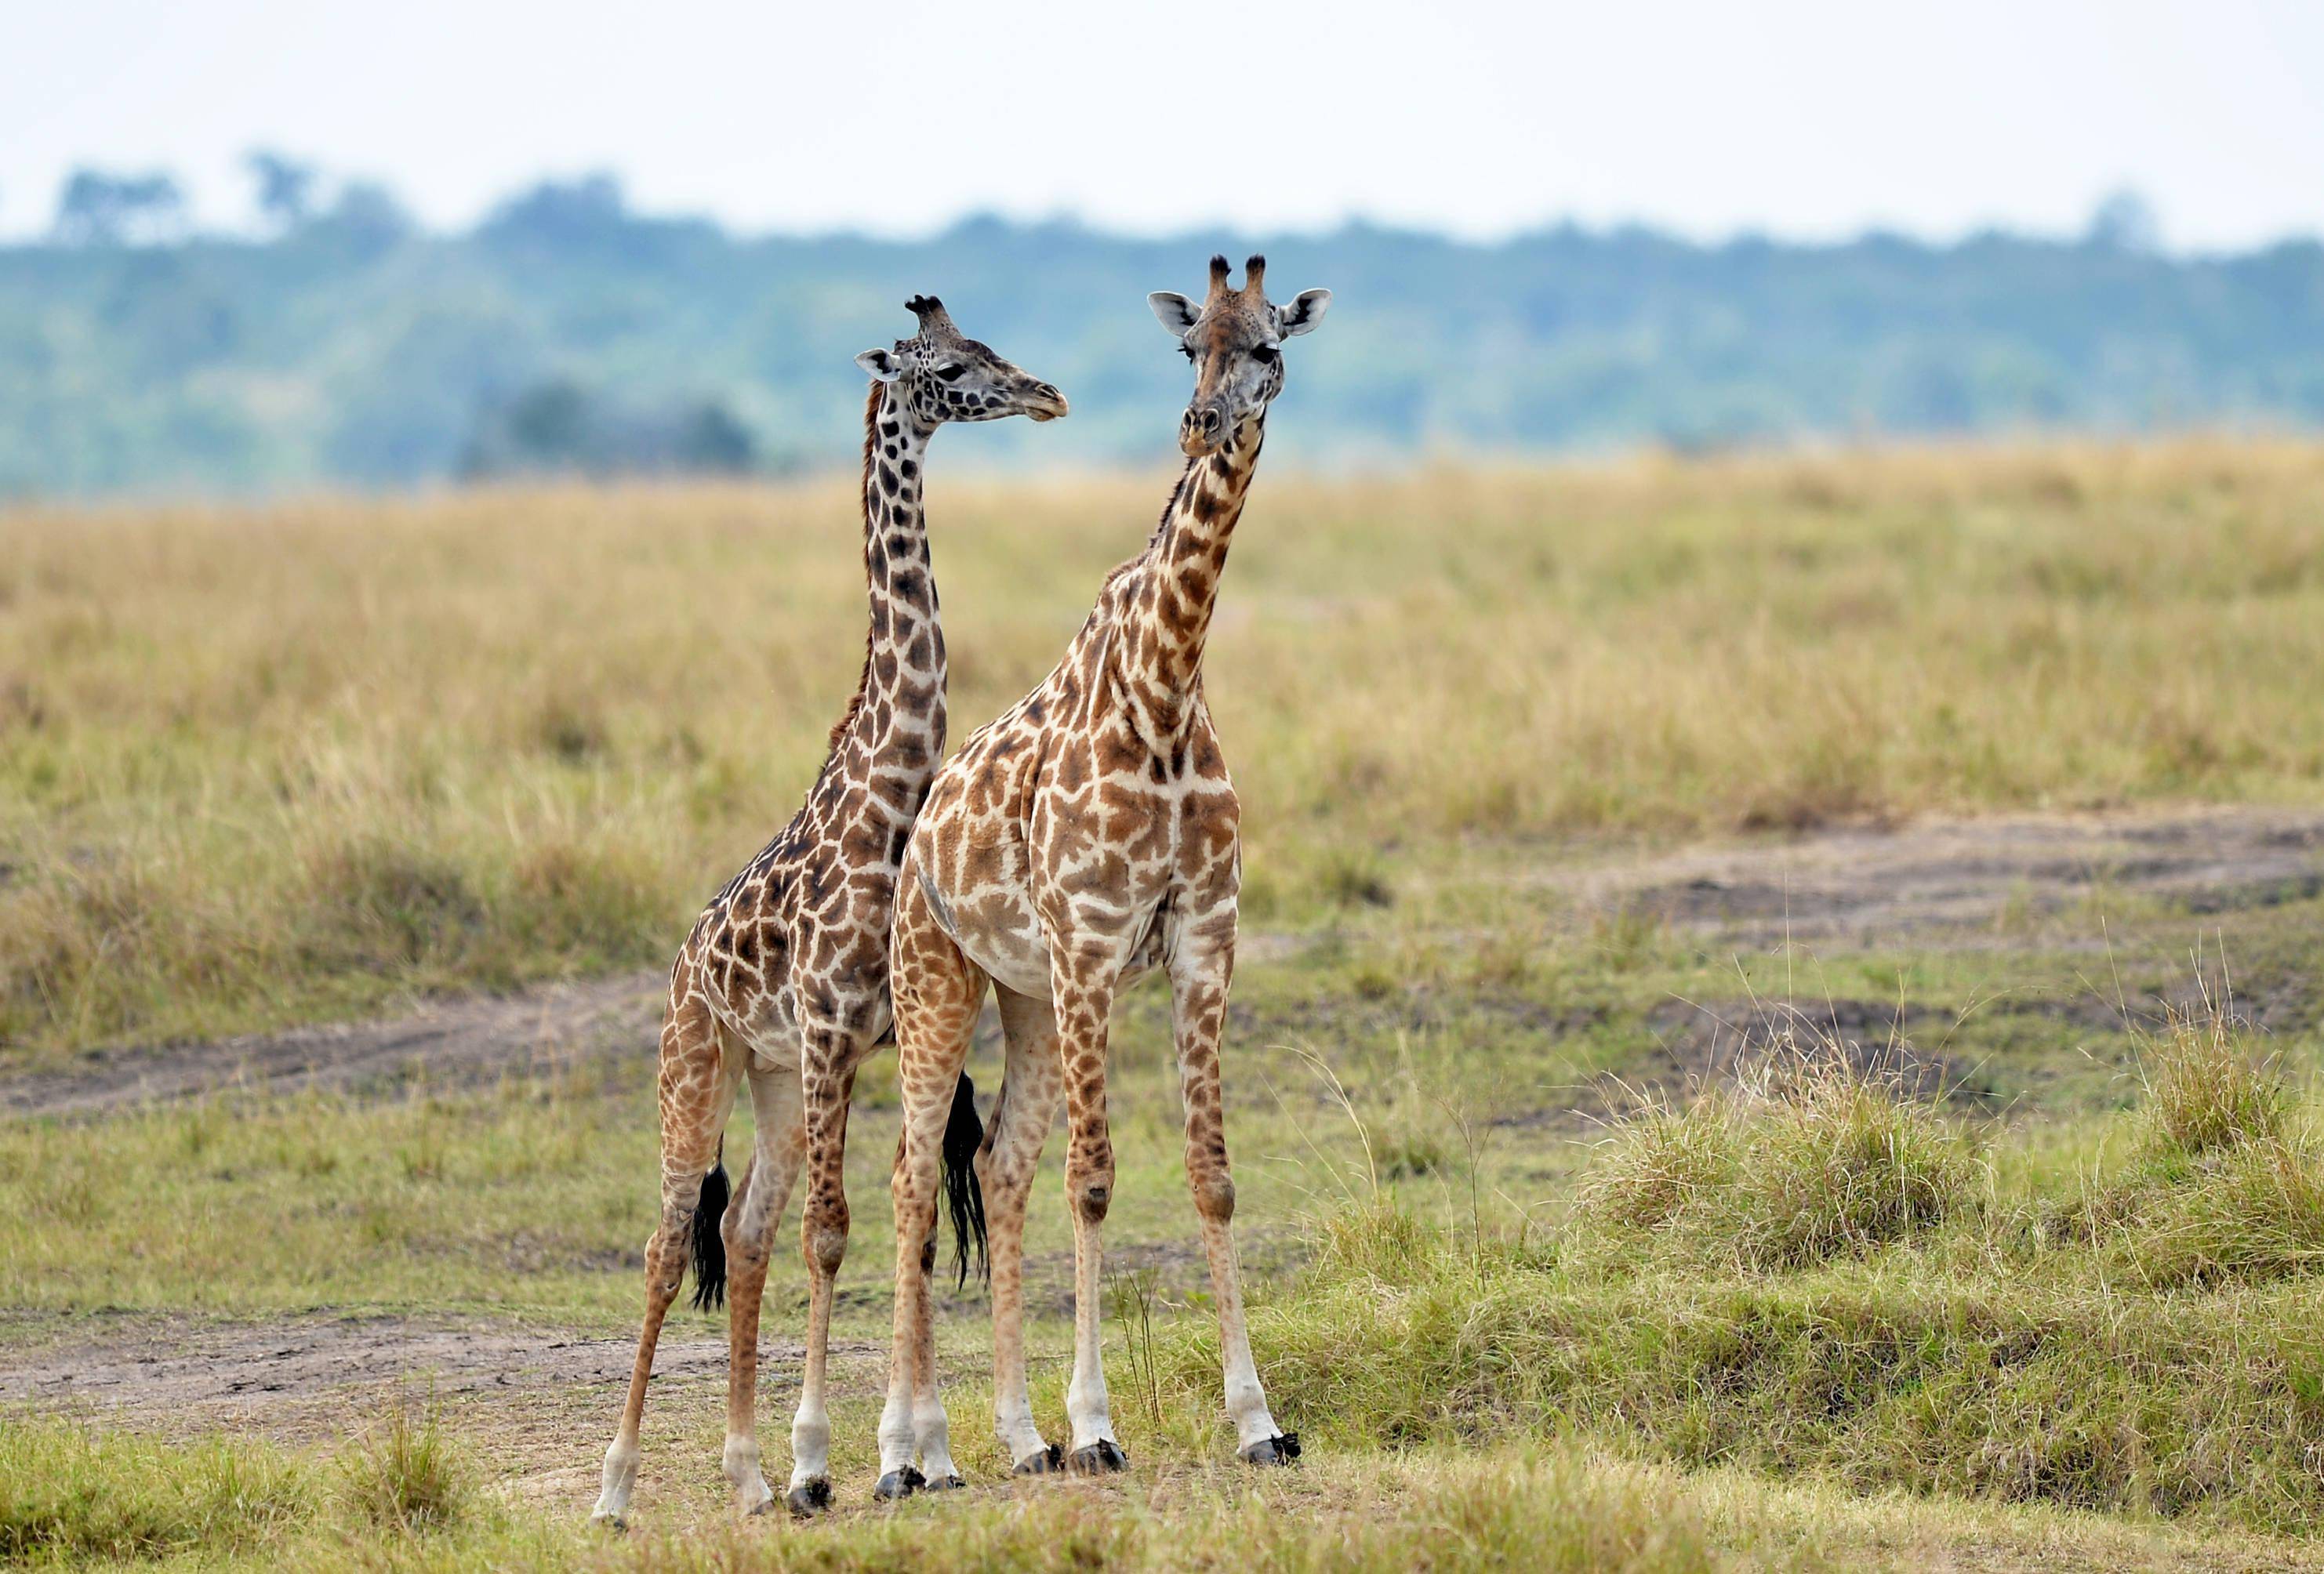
(1087, 835)
(783, 980)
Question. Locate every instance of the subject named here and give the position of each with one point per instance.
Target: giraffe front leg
(1200, 975)
(751, 1221)
(824, 1089)
(1084, 1003)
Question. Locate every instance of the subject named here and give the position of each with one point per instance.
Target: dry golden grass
(261, 765)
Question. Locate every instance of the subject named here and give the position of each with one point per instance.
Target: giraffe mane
(863, 680)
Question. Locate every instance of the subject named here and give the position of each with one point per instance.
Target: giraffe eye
(951, 373)
(1187, 351)
(1265, 354)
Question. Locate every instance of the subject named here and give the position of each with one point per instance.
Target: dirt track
(455, 1043)
(1874, 887)
(320, 1378)
(174, 1366)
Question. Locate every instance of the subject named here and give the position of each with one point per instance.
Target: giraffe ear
(1173, 311)
(881, 364)
(1302, 314)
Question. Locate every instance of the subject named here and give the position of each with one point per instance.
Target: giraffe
(1088, 835)
(784, 978)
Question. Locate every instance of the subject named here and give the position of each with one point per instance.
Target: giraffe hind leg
(750, 1236)
(1032, 1086)
(936, 992)
(825, 1090)
(696, 1089)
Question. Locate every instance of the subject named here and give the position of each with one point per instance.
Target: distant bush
(557, 427)
(1563, 338)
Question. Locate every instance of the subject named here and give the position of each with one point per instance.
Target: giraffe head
(944, 375)
(1234, 339)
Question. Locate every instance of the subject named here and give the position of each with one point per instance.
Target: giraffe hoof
(1275, 1451)
(610, 1523)
(1101, 1458)
(807, 1501)
(1048, 1461)
(898, 1484)
(943, 1483)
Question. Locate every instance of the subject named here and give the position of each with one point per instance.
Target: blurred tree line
(569, 333)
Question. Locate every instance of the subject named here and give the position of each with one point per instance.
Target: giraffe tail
(709, 1244)
(964, 1193)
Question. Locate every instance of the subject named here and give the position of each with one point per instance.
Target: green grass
(1767, 1309)
(71, 1496)
(1860, 1330)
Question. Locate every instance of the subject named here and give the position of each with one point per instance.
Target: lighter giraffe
(784, 977)
(1088, 835)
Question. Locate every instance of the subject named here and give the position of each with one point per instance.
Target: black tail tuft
(964, 1193)
(709, 1245)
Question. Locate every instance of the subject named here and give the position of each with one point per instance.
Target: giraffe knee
(927, 1257)
(746, 1243)
(1215, 1196)
(666, 1250)
(826, 1234)
(1091, 1189)
(1000, 1175)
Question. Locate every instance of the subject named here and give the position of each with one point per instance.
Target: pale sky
(1791, 118)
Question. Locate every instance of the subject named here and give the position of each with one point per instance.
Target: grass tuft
(407, 1475)
(1836, 1159)
(2205, 1089)
(2228, 1182)
(1808, 1157)
(1660, 1161)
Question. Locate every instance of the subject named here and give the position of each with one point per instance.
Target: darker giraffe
(1086, 836)
(784, 975)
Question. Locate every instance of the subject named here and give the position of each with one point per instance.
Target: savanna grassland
(1776, 1029)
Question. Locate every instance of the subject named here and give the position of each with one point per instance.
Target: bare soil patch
(458, 1042)
(1871, 886)
(270, 1375)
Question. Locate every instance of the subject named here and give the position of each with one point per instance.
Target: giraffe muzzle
(1199, 430)
(1045, 403)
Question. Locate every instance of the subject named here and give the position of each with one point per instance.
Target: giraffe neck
(1169, 612)
(898, 716)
